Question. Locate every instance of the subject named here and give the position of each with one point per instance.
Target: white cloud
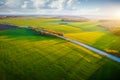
(38, 4)
(66, 7)
(70, 3)
(54, 4)
(62, 5)
(41, 4)
(13, 3)
(25, 4)
(1, 2)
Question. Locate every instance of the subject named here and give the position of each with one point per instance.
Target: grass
(27, 55)
(81, 31)
(95, 36)
(84, 36)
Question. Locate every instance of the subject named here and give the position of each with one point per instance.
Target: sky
(60, 7)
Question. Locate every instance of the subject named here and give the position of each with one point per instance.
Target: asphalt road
(115, 58)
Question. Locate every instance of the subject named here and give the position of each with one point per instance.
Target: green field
(86, 32)
(25, 55)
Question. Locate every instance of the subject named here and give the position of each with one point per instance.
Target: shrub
(116, 32)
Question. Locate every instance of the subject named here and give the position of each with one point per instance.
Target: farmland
(82, 31)
(26, 55)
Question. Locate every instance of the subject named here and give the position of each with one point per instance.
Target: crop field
(25, 55)
(87, 32)
(96, 36)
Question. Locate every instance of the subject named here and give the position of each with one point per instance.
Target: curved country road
(115, 58)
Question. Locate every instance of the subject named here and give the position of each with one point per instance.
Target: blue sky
(62, 7)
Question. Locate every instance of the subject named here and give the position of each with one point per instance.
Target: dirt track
(6, 27)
